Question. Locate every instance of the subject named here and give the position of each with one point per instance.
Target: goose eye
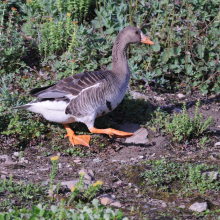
(136, 32)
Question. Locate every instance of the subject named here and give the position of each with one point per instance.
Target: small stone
(182, 206)
(16, 154)
(181, 96)
(177, 110)
(140, 134)
(3, 177)
(212, 158)
(199, 207)
(138, 95)
(142, 157)
(209, 174)
(136, 189)
(116, 204)
(217, 144)
(97, 160)
(70, 184)
(22, 160)
(4, 157)
(38, 157)
(60, 166)
(158, 98)
(76, 161)
(88, 174)
(123, 161)
(164, 205)
(106, 199)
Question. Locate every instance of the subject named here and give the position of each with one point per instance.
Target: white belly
(52, 111)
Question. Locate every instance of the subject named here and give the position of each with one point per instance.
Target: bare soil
(119, 165)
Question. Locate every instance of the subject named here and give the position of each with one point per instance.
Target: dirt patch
(119, 165)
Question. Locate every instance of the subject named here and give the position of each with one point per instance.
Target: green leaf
(200, 50)
(156, 47)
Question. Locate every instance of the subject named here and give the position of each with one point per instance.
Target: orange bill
(145, 40)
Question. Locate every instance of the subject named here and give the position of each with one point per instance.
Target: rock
(9, 162)
(60, 166)
(140, 134)
(106, 199)
(199, 207)
(23, 160)
(89, 174)
(5, 157)
(138, 95)
(181, 96)
(182, 206)
(38, 157)
(217, 144)
(116, 204)
(177, 110)
(158, 98)
(142, 157)
(16, 154)
(3, 177)
(70, 184)
(97, 160)
(77, 161)
(209, 174)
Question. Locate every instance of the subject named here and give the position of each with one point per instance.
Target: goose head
(132, 34)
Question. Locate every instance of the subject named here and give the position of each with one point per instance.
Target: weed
(182, 128)
(184, 178)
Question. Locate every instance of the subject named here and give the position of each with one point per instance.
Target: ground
(119, 164)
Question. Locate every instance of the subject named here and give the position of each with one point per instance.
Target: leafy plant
(182, 128)
(167, 175)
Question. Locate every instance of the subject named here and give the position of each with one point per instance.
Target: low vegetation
(44, 41)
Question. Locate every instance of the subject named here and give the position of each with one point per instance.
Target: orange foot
(111, 132)
(77, 139)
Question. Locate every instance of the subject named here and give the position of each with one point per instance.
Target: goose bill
(145, 40)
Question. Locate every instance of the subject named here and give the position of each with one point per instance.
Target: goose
(85, 96)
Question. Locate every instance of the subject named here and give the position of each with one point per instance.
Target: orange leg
(111, 132)
(76, 139)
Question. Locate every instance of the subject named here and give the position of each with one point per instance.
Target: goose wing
(70, 87)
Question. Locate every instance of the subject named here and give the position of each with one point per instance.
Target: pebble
(140, 134)
(158, 98)
(70, 184)
(116, 204)
(177, 110)
(16, 154)
(209, 174)
(60, 166)
(217, 144)
(89, 174)
(97, 160)
(4, 157)
(138, 95)
(181, 96)
(38, 157)
(199, 207)
(142, 157)
(3, 177)
(106, 199)
(77, 161)
(182, 206)
(23, 160)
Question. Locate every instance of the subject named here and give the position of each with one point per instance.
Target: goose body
(86, 96)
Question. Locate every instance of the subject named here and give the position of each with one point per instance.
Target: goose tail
(24, 107)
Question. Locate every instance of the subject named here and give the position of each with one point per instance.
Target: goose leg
(76, 139)
(111, 132)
